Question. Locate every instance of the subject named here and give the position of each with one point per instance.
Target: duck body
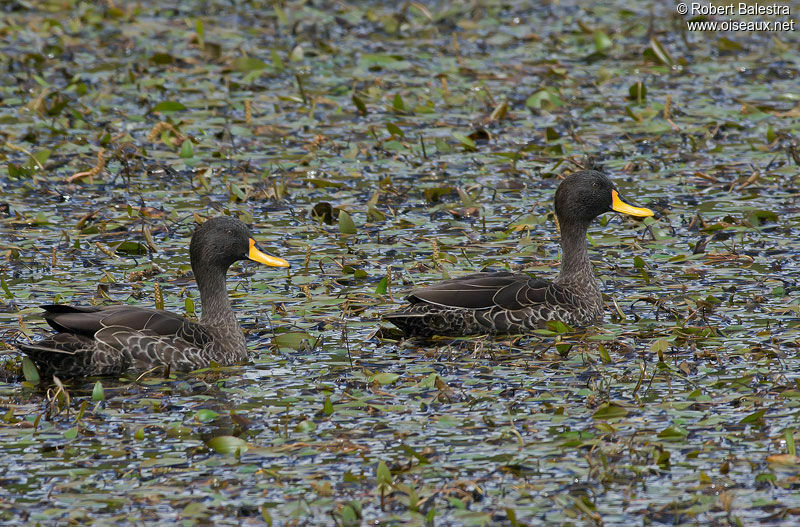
(497, 302)
(113, 339)
(512, 303)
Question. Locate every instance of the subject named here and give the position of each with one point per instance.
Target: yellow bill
(620, 206)
(256, 255)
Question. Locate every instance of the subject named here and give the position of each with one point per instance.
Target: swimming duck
(504, 302)
(112, 339)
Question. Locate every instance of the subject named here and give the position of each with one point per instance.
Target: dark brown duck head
(215, 246)
(587, 194)
(221, 241)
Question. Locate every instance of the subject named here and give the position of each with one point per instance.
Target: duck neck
(575, 264)
(216, 305)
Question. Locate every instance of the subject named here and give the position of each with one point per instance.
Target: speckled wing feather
(120, 348)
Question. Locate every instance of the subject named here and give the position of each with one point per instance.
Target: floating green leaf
(610, 411)
(30, 371)
(248, 64)
(187, 149)
(601, 41)
(346, 225)
(385, 378)
(167, 107)
(465, 141)
(205, 415)
(755, 417)
(227, 444)
(295, 340)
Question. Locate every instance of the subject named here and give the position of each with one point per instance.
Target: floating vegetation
(380, 147)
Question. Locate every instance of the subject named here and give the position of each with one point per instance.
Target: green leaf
(349, 517)
(434, 194)
(659, 345)
(167, 107)
(601, 41)
(162, 58)
(383, 285)
(5, 288)
(30, 371)
(188, 306)
(205, 415)
(305, 426)
(726, 44)
(44, 154)
(98, 394)
(755, 417)
(673, 433)
(605, 357)
(327, 407)
(384, 475)
(187, 149)
(788, 434)
(131, 247)
(657, 51)
(610, 411)
(346, 225)
(200, 31)
(395, 130)
(362, 108)
(637, 92)
(194, 510)
(238, 192)
(384, 378)
(297, 54)
(398, 103)
(295, 340)
(545, 99)
(72, 433)
(558, 327)
(468, 143)
(248, 64)
(276, 59)
(227, 444)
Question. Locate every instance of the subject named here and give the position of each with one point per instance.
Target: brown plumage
(503, 302)
(113, 339)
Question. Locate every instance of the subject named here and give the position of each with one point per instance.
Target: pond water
(440, 131)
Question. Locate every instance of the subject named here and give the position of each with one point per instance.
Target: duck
(502, 302)
(111, 340)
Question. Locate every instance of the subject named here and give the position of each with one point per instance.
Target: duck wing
(89, 320)
(501, 289)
